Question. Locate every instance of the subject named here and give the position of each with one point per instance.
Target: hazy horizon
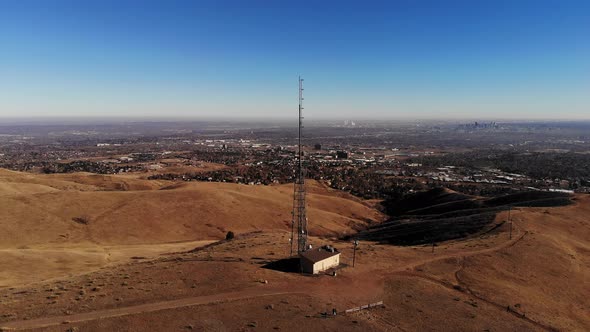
(234, 60)
(289, 121)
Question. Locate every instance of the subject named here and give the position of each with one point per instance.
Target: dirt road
(148, 307)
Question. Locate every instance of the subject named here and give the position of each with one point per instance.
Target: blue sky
(363, 59)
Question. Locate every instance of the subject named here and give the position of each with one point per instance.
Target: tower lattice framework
(299, 213)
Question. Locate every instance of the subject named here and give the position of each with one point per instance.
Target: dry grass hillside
(42, 209)
(534, 280)
(82, 213)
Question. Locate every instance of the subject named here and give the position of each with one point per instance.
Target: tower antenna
(299, 216)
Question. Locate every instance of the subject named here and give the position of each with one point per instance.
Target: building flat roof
(317, 255)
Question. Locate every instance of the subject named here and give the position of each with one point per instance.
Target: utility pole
(355, 244)
(510, 220)
(299, 213)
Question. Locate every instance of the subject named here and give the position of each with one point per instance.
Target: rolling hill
(441, 214)
(70, 218)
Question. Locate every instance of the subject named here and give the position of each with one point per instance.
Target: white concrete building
(317, 260)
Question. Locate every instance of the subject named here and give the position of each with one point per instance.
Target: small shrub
(81, 220)
(230, 235)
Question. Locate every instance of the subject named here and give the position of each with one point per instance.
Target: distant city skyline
(241, 59)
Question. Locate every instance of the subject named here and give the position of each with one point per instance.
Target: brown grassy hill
(440, 214)
(40, 209)
(14, 183)
(61, 224)
(546, 273)
(108, 182)
(534, 281)
(540, 276)
(18, 182)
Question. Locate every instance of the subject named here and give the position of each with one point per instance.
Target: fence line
(366, 306)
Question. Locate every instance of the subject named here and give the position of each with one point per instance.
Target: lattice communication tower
(299, 216)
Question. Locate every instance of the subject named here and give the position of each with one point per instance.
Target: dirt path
(142, 308)
(518, 235)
